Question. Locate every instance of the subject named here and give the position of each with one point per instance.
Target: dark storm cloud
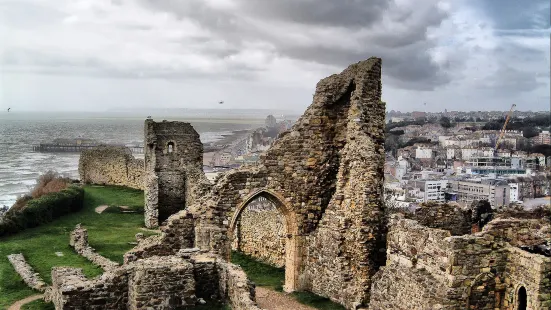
(342, 13)
(401, 38)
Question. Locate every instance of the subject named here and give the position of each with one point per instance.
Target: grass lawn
(109, 233)
(274, 278)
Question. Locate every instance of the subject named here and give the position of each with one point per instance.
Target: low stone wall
(260, 233)
(157, 282)
(179, 233)
(111, 165)
(449, 217)
(79, 241)
(520, 232)
(31, 278)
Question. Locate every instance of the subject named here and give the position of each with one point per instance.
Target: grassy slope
(108, 232)
(268, 276)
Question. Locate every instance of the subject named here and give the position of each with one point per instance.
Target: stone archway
(293, 255)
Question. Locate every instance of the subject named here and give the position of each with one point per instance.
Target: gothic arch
(293, 257)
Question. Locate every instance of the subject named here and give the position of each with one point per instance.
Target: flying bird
(9, 109)
(221, 102)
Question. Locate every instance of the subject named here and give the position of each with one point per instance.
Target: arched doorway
(291, 239)
(522, 299)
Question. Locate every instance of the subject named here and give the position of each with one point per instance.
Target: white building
(423, 153)
(469, 153)
(513, 192)
(431, 190)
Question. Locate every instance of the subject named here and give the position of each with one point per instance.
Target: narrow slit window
(171, 147)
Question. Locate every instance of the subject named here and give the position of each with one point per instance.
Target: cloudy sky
(94, 55)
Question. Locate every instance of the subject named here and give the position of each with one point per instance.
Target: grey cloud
(342, 13)
(404, 49)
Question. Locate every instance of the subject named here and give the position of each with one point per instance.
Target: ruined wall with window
(111, 165)
(173, 160)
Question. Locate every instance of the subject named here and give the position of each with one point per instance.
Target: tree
(530, 132)
(445, 122)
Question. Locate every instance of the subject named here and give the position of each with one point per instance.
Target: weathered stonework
(79, 241)
(428, 268)
(111, 165)
(31, 278)
(173, 164)
(260, 233)
(168, 282)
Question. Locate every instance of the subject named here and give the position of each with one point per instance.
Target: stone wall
(428, 268)
(79, 241)
(452, 218)
(260, 233)
(167, 282)
(111, 165)
(31, 278)
(173, 164)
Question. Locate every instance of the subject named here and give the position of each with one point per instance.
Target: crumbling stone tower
(173, 152)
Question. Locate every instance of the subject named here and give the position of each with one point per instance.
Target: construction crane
(504, 126)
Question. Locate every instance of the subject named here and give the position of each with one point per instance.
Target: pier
(61, 148)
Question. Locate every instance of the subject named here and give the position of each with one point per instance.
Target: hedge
(43, 210)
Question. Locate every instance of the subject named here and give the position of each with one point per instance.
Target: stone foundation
(111, 165)
(168, 282)
(31, 278)
(79, 241)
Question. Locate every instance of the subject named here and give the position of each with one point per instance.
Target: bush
(42, 210)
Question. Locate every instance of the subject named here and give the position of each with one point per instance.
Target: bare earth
(272, 300)
(17, 305)
(101, 209)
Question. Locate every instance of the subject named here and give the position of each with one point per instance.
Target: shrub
(49, 182)
(42, 210)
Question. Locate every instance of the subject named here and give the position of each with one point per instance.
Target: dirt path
(101, 209)
(17, 305)
(272, 300)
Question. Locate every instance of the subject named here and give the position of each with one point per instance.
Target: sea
(20, 166)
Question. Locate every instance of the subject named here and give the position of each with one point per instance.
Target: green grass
(109, 233)
(38, 305)
(316, 301)
(261, 274)
(268, 276)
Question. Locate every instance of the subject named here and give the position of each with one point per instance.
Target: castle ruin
(324, 178)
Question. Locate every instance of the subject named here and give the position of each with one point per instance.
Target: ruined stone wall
(79, 241)
(443, 216)
(167, 282)
(531, 271)
(429, 269)
(520, 232)
(416, 275)
(111, 165)
(348, 246)
(179, 233)
(161, 283)
(260, 233)
(173, 164)
(72, 290)
(26, 272)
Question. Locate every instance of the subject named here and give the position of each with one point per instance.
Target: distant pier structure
(78, 145)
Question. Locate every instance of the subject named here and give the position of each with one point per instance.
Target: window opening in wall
(522, 298)
(171, 147)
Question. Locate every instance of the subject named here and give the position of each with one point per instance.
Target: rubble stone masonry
(260, 233)
(428, 268)
(111, 165)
